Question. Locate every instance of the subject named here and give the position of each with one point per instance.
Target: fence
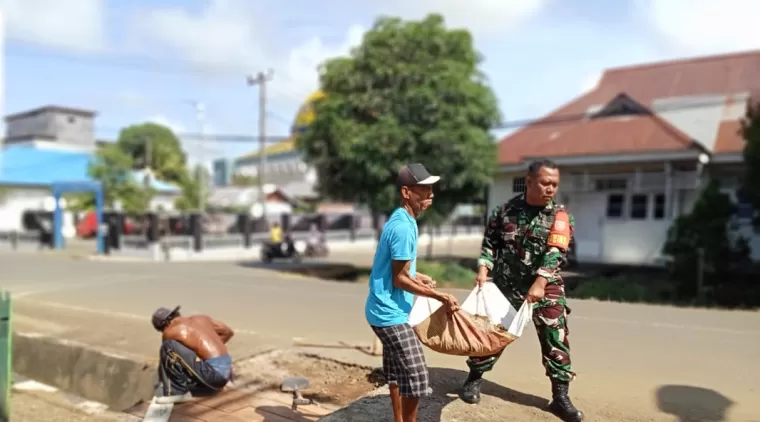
(240, 235)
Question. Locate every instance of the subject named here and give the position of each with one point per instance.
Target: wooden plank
(6, 335)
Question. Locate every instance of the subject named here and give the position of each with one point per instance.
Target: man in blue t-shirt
(392, 285)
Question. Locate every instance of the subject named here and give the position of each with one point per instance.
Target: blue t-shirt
(388, 305)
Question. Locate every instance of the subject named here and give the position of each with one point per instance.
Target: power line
(147, 64)
(221, 137)
(513, 124)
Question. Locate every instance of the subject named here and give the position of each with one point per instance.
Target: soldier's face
(542, 187)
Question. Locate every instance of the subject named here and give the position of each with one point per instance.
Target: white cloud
(482, 17)
(591, 82)
(197, 150)
(230, 34)
(176, 126)
(227, 35)
(68, 24)
(706, 26)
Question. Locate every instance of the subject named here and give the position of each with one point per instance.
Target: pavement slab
(239, 405)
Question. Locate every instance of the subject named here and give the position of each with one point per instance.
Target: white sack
(486, 300)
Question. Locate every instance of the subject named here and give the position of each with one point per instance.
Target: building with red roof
(634, 150)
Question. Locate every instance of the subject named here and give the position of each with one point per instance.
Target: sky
(152, 60)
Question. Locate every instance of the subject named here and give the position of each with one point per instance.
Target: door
(588, 210)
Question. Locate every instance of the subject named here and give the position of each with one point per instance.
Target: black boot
(561, 405)
(471, 389)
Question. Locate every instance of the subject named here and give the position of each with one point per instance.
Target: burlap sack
(462, 334)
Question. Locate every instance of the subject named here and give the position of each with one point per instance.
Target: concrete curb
(118, 381)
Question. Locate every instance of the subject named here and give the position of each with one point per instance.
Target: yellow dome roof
(305, 114)
(304, 117)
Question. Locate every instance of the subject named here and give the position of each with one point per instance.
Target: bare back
(198, 333)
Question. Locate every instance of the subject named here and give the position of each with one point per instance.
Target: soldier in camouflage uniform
(524, 246)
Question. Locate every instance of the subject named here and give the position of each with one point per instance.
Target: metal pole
(700, 273)
(6, 350)
(261, 80)
(200, 115)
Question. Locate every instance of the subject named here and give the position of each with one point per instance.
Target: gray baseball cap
(415, 174)
(161, 315)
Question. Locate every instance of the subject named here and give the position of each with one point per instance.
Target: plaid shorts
(404, 360)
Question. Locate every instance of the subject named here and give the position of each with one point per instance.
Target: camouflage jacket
(515, 247)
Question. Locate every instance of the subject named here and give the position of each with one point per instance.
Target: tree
(750, 130)
(113, 168)
(191, 183)
(705, 229)
(411, 92)
(154, 146)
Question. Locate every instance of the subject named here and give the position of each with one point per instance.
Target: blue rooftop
(28, 165)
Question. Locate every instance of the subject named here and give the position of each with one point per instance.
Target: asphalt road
(635, 362)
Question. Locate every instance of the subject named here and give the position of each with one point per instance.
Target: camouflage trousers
(550, 320)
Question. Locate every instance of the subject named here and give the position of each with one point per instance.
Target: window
(518, 185)
(659, 206)
(72, 119)
(639, 205)
(610, 184)
(744, 210)
(615, 203)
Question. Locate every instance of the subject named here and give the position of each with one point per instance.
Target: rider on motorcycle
(275, 234)
(277, 240)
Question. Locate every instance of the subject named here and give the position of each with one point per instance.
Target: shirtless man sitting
(194, 357)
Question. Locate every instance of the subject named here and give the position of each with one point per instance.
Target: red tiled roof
(725, 74)
(729, 137)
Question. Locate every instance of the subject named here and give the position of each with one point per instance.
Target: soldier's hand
(482, 276)
(535, 293)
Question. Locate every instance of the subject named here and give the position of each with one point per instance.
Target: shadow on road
(692, 404)
(446, 384)
(449, 382)
(323, 270)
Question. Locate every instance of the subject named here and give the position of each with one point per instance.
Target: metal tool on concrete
(294, 385)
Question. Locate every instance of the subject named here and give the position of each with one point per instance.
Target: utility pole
(148, 158)
(200, 115)
(261, 80)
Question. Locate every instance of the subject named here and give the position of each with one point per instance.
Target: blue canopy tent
(62, 171)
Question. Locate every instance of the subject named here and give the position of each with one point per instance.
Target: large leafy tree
(706, 228)
(113, 168)
(154, 146)
(411, 92)
(750, 129)
(192, 183)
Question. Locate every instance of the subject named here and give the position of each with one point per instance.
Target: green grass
(447, 274)
(624, 289)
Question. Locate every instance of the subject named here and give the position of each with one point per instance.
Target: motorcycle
(316, 250)
(284, 250)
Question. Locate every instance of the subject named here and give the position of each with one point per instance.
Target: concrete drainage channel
(125, 383)
(118, 381)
